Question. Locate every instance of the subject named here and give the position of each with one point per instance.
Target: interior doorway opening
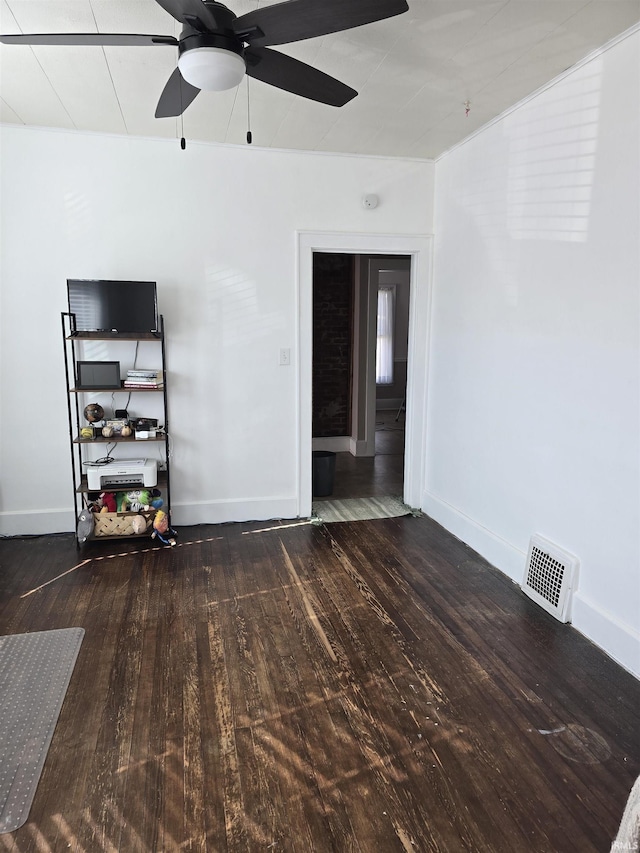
(420, 249)
(360, 326)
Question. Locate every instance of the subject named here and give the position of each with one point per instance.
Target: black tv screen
(113, 306)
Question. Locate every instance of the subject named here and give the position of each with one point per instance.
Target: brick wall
(332, 343)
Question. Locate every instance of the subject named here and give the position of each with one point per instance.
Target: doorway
(360, 347)
(419, 250)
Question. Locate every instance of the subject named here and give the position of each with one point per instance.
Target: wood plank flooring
(371, 686)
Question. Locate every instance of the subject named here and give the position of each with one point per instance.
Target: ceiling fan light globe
(211, 68)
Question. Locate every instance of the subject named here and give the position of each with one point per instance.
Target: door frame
(420, 248)
(375, 266)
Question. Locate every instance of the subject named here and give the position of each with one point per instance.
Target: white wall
(215, 226)
(535, 362)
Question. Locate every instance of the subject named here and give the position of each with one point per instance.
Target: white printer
(125, 472)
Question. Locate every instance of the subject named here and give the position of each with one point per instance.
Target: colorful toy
(108, 501)
(162, 530)
(156, 500)
(138, 499)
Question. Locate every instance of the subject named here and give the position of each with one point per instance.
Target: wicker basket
(120, 523)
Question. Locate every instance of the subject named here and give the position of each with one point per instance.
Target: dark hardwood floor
(381, 475)
(371, 686)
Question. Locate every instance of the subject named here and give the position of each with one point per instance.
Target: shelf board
(114, 390)
(118, 439)
(115, 336)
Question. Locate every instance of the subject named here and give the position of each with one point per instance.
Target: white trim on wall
(232, 510)
(500, 553)
(335, 443)
(369, 443)
(419, 247)
(620, 641)
(47, 521)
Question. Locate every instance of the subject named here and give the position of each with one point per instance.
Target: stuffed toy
(138, 499)
(156, 501)
(108, 502)
(85, 525)
(122, 501)
(138, 524)
(162, 529)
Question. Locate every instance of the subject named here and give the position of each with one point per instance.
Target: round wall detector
(370, 201)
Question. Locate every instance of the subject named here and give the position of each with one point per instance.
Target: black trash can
(324, 469)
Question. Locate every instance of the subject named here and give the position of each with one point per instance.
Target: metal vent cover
(550, 576)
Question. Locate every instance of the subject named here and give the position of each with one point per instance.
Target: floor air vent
(550, 576)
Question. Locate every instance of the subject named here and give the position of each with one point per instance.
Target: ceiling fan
(216, 48)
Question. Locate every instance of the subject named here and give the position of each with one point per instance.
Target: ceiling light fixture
(211, 68)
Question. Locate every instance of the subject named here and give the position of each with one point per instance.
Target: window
(384, 340)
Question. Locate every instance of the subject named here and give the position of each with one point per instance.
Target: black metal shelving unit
(73, 342)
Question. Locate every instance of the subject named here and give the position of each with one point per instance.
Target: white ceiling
(414, 73)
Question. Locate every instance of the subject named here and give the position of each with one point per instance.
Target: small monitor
(101, 305)
(98, 375)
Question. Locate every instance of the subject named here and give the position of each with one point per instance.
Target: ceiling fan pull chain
(249, 136)
(183, 141)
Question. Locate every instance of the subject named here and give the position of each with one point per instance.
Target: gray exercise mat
(35, 670)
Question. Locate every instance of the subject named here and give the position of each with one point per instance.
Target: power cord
(104, 460)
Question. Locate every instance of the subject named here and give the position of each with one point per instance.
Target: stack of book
(143, 379)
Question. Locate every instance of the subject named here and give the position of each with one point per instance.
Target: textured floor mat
(35, 670)
(359, 509)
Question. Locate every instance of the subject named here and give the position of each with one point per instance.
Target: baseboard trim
(222, 512)
(359, 448)
(47, 521)
(336, 443)
(37, 522)
(619, 641)
(500, 553)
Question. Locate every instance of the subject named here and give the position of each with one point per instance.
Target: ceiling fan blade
(176, 96)
(297, 77)
(302, 19)
(191, 12)
(81, 39)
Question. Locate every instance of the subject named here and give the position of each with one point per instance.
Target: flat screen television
(103, 305)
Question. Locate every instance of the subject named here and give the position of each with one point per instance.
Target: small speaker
(123, 414)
